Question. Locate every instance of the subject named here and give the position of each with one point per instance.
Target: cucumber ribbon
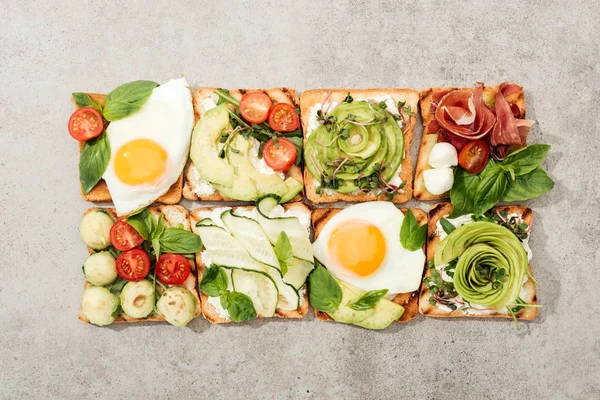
(480, 247)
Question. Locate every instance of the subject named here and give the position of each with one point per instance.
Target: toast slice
(173, 215)
(429, 140)
(100, 193)
(191, 190)
(311, 97)
(442, 210)
(409, 301)
(208, 310)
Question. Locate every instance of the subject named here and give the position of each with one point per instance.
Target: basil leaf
(117, 286)
(179, 241)
(298, 142)
(94, 159)
(283, 251)
(447, 226)
(367, 300)
(127, 99)
(240, 307)
(525, 160)
(160, 228)
(84, 100)
(143, 222)
(156, 248)
(117, 311)
(529, 186)
(490, 190)
(325, 293)
(214, 282)
(462, 194)
(412, 236)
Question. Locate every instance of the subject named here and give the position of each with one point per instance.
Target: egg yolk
(358, 247)
(140, 161)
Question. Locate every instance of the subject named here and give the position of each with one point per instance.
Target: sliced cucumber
(99, 305)
(267, 202)
(137, 298)
(288, 295)
(100, 269)
(205, 222)
(252, 238)
(298, 271)
(95, 229)
(273, 226)
(259, 287)
(177, 305)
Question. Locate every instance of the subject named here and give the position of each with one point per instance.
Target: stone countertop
(50, 49)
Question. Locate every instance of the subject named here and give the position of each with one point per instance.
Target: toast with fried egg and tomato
(362, 154)
(439, 295)
(258, 171)
(138, 153)
(456, 116)
(241, 245)
(395, 259)
(105, 283)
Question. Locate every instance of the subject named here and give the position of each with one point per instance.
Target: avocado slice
(204, 150)
(293, 188)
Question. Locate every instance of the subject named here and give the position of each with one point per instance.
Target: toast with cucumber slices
(254, 261)
(409, 301)
(227, 162)
(99, 193)
(429, 99)
(108, 297)
(456, 286)
(357, 144)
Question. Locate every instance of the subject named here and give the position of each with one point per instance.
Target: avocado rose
(491, 263)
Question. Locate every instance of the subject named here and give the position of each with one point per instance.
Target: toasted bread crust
(208, 311)
(100, 193)
(441, 210)
(166, 211)
(311, 97)
(410, 301)
(429, 140)
(277, 95)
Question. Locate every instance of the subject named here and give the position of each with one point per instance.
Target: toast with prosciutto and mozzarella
(494, 114)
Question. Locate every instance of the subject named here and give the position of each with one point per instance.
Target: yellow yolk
(358, 247)
(140, 161)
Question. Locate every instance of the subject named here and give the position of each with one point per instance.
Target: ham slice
(506, 131)
(464, 114)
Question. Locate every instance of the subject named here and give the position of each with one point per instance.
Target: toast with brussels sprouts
(357, 150)
(140, 298)
(428, 102)
(256, 176)
(321, 216)
(99, 193)
(442, 292)
(243, 253)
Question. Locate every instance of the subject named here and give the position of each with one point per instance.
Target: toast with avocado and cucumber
(429, 99)
(108, 297)
(100, 193)
(409, 301)
(227, 151)
(357, 144)
(254, 261)
(479, 266)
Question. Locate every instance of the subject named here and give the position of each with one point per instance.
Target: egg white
(401, 269)
(167, 118)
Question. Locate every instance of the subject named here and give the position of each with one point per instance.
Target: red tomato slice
(124, 236)
(474, 156)
(282, 157)
(172, 269)
(133, 265)
(85, 124)
(283, 118)
(255, 106)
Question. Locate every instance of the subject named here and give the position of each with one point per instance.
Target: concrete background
(50, 49)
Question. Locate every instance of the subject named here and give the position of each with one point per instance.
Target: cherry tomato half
(255, 106)
(85, 124)
(133, 265)
(474, 156)
(172, 269)
(282, 157)
(283, 118)
(124, 236)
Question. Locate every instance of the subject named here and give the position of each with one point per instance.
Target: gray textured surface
(49, 49)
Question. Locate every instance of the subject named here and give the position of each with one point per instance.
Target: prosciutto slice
(508, 129)
(463, 113)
